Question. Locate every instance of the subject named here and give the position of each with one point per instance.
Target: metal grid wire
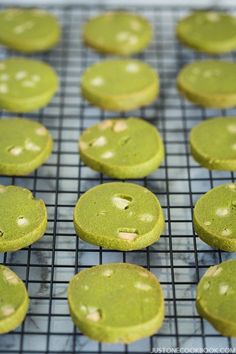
(178, 259)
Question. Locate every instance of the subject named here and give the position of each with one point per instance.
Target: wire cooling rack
(178, 259)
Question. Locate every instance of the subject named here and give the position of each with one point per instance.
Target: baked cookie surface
(128, 305)
(119, 33)
(122, 148)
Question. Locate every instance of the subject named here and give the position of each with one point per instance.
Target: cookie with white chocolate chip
(215, 217)
(28, 30)
(14, 300)
(128, 304)
(26, 85)
(122, 148)
(120, 216)
(24, 146)
(119, 33)
(216, 297)
(23, 219)
(213, 143)
(208, 31)
(209, 83)
(120, 84)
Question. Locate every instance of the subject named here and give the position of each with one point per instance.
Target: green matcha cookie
(120, 85)
(120, 33)
(213, 143)
(215, 217)
(14, 300)
(122, 148)
(117, 302)
(24, 146)
(28, 30)
(23, 220)
(209, 83)
(209, 32)
(216, 297)
(120, 216)
(26, 85)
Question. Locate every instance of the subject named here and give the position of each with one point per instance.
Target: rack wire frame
(178, 259)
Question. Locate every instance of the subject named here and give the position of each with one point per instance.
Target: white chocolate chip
(20, 75)
(232, 186)
(207, 223)
(120, 126)
(213, 16)
(10, 277)
(22, 28)
(222, 212)
(4, 77)
(105, 124)
(22, 221)
(128, 236)
(28, 83)
(2, 66)
(232, 128)
(35, 78)
(133, 40)
(101, 141)
(83, 145)
(107, 155)
(86, 287)
(93, 315)
(3, 88)
(7, 310)
(83, 308)
(206, 285)
(97, 81)
(223, 289)
(41, 131)
(144, 274)
(233, 146)
(146, 217)
(107, 272)
(2, 189)
(213, 271)
(30, 146)
(120, 203)
(142, 286)
(135, 25)
(122, 36)
(207, 73)
(15, 150)
(132, 68)
(226, 232)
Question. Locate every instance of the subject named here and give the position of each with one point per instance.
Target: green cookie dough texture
(120, 216)
(122, 148)
(208, 31)
(120, 85)
(215, 217)
(209, 83)
(120, 33)
(117, 302)
(216, 297)
(23, 220)
(26, 85)
(213, 143)
(14, 300)
(24, 146)
(28, 30)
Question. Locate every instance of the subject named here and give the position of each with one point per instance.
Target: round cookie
(28, 30)
(216, 297)
(120, 84)
(23, 219)
(119, 33)
(26, 85)
(208, 31)
(24, 146)
(215, 217)
(125, 216)
(122, 148)
(209, 83)
(116, 302)
(213, 143)
(14, 300)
